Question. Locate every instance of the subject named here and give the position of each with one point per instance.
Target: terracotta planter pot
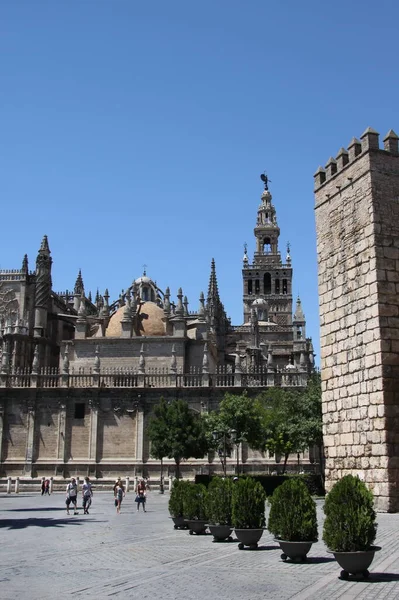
(248, 537)
(220, 532)
(198, 527)
(296, 551)
(355, 563)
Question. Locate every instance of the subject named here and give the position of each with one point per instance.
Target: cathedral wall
(125, 353)
(116, 436)
(46, 437)
(77, 431)
(15, 430)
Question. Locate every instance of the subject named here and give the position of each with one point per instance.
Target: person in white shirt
(72, 495)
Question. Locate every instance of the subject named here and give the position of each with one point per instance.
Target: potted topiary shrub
(350, 526)
(293, 519)
(248, 512)
(194, 507)
(219, 508)
(176, 503)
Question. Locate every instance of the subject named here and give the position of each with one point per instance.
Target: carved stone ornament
(94, 403)
(8, 303)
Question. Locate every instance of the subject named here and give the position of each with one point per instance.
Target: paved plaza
(47, 554)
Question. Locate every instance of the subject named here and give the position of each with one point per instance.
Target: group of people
(141, 494)
(72, 495)
(87, 493)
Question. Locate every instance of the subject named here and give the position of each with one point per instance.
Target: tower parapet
(356, 149)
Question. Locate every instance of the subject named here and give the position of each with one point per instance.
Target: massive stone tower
(357, 222)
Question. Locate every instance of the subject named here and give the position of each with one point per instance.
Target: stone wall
(357, 223)
(100, 432)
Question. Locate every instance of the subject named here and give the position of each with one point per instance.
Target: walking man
(72, 495)
(87, 493)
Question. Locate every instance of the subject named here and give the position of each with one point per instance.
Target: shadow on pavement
(39, 509)
(260, 548)
(379, 578)
(43, 522)
(316, 560)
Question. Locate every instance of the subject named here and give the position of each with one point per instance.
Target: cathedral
(79, 376)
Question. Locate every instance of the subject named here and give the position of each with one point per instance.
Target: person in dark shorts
(72, 495)
(87, 494)
(141, 494)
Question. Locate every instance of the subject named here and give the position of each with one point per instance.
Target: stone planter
(248, 537)
(296, 551)
(179, 522)
(196, 526)
(220, 532)
(355, 563)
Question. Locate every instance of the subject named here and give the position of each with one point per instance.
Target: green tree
(178, 432)
(158, 433)
(292, 419)
(238, 420)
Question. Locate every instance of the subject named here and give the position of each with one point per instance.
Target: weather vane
(265, 180)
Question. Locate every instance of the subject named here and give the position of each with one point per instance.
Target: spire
(179, 308)
(25, 264)
(166, 303)
(79, 285)
(44, 248)
(213, 291)
(298, 315)
(201, 310)
(90, 298)
(185, 303)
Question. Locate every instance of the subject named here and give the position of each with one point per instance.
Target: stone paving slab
(45, 554)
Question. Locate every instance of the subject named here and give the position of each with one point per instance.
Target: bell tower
(268, 278)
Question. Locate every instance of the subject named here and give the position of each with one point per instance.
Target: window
(257, 286)
(267, 245)
(277, 286)
(145, 294)
(267, 283)
(249, 287)
(79, 410)
(285, 286)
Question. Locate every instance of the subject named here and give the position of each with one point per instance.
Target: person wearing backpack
(72, 495)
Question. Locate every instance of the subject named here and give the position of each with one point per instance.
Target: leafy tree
(158, 432)
(292, 419)
(239, 419)
(178, 432)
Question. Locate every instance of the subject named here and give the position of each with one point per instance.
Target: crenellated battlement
(369, 142)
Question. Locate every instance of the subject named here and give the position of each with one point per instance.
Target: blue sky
(135, 132)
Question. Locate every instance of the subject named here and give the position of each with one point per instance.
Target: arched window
(267, 283)
(277, 286)
(267, 247)
(144, 294)
(299, 332)
(257, 286)
(249, 287)
(285, 286)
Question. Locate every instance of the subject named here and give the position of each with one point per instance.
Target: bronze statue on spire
(265, 180)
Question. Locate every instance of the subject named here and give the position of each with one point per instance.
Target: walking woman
(119, 492)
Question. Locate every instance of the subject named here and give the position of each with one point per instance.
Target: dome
(259, 303)
(144, 279)
(151, 321)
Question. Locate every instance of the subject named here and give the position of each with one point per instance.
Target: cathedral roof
(151, 321)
